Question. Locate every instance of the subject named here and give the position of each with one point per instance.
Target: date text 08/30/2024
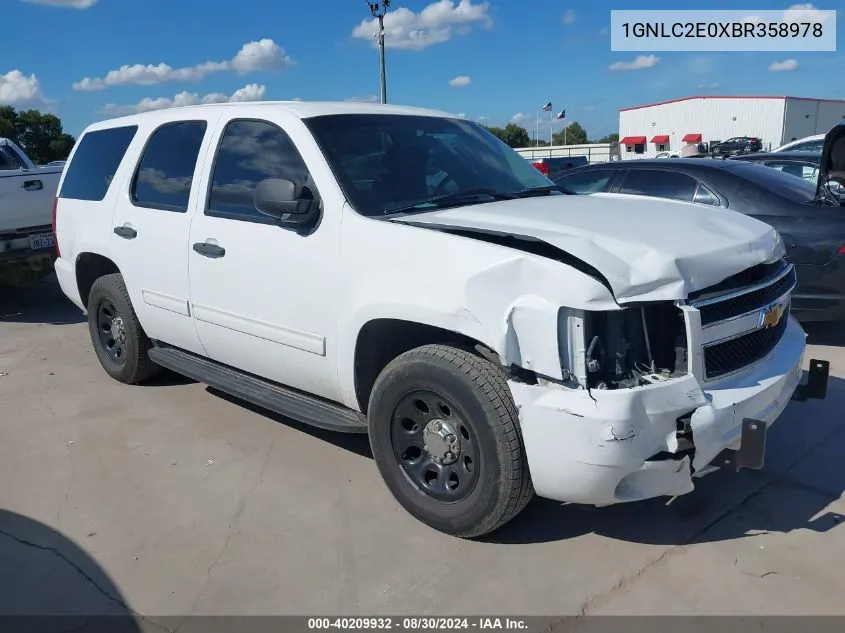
(414, 623)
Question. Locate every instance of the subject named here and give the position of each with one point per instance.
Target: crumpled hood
(648, 249)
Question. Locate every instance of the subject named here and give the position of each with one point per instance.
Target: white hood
(648, 249)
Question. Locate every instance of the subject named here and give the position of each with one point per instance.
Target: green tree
(610, 138)
(512, 134)
(575, 135)
(40, 135)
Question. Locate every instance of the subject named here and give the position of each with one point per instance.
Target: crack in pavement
(238, 512)
(597, 600)
(106, 594)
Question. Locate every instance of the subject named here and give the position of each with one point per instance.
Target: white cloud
(520, 119)
(70, 4)
(604, 31)
(639, 63)
(435, 24)
(17, 89)
(712, 86)
(251, 92)
(805, 13)
(254, 56)
(461, 81)
(367, 99)
(462, 115)
(569, 16)
(752, 19)
(785, 66)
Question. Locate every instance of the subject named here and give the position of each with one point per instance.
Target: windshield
(388, 163)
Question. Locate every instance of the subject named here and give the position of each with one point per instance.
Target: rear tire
(119, 340)
(445, 436)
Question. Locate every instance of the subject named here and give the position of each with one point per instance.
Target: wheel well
(89, 268)
(382, 340)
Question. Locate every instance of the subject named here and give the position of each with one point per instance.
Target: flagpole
(537, 129)
(551, 127)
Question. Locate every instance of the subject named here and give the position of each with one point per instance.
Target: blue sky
(491, 61)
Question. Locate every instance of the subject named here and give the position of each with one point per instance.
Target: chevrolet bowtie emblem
(771, 315)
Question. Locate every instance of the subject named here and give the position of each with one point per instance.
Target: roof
(649, 105)
(787, 155)
(300, 109)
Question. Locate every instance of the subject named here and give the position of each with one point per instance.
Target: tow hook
(816, 386)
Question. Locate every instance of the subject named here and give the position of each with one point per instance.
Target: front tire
(119, 340)
(445, 436)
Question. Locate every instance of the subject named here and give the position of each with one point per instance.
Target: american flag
(547, 107)
(561, 115)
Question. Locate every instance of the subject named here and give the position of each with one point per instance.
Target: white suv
(401, 272)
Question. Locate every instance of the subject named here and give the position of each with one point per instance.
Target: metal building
(680, 124)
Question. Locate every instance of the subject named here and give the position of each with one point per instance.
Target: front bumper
(613, 446)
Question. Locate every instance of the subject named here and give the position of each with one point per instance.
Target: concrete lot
(171, 499)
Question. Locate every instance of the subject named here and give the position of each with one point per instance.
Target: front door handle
(209, 250)
(126, 232)
(32, 185)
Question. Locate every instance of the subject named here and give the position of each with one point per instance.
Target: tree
(512, 134)
(40, 135)
(610, 138)
(575, 135)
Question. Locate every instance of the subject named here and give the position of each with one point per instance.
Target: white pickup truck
(27, 194)
(401, 272)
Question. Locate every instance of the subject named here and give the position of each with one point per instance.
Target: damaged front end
(669, 391)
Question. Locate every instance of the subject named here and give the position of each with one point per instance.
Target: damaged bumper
(612, 446)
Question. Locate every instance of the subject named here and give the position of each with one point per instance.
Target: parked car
(26, 211)
(554, 166)
(668, 155)
(807, 144)
(493, 336)
(736, 145)
(801, 164)
(814, 234)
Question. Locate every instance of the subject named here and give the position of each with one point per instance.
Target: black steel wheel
(435, 446)
(445, 436)
(119, 340)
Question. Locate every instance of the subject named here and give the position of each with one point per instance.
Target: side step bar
(263, 393)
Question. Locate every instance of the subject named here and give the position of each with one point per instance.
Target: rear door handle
(207, 249)
(32, 185)
(126, 232)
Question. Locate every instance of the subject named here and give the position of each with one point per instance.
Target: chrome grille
(742, 326)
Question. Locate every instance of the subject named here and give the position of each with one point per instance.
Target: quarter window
(95, 162)
(704, 196)
(166, 171)
(9, 159)
(249, 152)
(659, 184)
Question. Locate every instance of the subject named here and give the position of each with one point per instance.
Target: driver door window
(9, 159)
(249, 152)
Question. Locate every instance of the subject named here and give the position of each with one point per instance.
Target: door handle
(207, 249)
(32, 185)
(126, 232)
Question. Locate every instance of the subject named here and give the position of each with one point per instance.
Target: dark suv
(737, 145)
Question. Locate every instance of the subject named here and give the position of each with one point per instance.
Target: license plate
(41, 240)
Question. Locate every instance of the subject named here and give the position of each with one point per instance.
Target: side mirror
(285, 200)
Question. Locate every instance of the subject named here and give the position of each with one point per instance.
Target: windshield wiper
(542, 191)
(471, 196)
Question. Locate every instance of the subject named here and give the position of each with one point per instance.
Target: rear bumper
(607, 447)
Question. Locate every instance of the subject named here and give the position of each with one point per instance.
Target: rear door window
(659, 184)
(95, 163)
(807, 171)
(166, 170)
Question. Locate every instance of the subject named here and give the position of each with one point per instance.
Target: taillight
(55, 237)
(543, 168)
(842, 250)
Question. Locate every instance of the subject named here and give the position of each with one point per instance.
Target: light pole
(379, 10)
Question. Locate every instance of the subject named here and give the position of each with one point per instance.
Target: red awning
(692, 138)
(633, 140)
(661, 139)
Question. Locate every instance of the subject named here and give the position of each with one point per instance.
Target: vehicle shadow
(829, 334)
(801, 478)
(51, 584)
(43, 302)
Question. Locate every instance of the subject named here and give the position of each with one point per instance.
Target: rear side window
(586, 182)
(166, 170)
(95, 162)
(659, 184)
